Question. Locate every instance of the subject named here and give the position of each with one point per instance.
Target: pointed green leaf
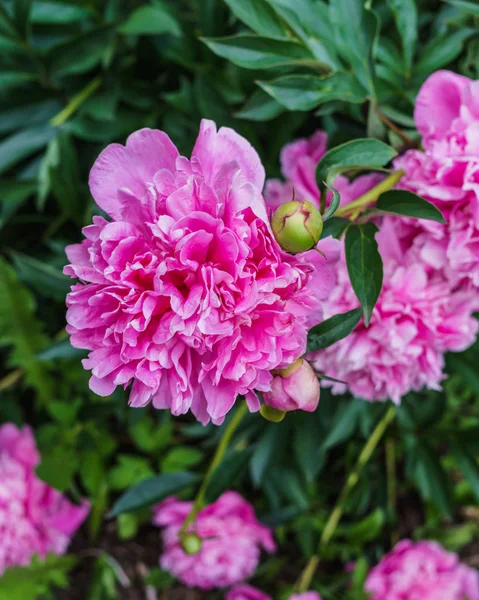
(259, 16)
(365, 266)
(333, 329)
(403, 202)
(305, 92)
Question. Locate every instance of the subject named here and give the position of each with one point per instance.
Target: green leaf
(81, 53)
(15, 117)
(365, 530)
(267, 450)
(153, 490)
(345, 423)
(14, 194)
(333, 329)
(24, 143)
(365, 153)
(31, 582)
(442, 50)
(468, 464)
(151, 20)
(129, 471)
(469, 7)
(260, 107)
(405, 15)
(58, 467)
(431, 478)
(62, 350)
(257, 52)
(335, 227)
(403, 202)
(21, 15)
(309, 20)
(308, 451)
(159, 579)
(334, 205)
(356, 30)
(58, 13)
(14, 78)
(20, 329)
(365, 266)
(180, 458)
(228, 472)
(259, 16)
(305, 92)
(44, 278)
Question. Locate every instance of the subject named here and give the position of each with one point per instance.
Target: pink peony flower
(422, 571)
(34, 518)
(232, 540)
(306, 596)
(447, 173)
(185, 293)
(415, 321)
(243, 591)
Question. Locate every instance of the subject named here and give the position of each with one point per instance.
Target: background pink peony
(244, 591)
(422, 571)
(34, 518)
(185, 293)
(231, 547)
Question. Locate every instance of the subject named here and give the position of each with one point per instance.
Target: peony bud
(297, 226)
(294, 388)
(191, 543)
(271, 414)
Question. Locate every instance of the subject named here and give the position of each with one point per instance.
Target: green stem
(307, 575)
(217, 458)
(76, 102)
(372, 195)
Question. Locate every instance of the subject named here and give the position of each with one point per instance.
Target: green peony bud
(297, 226)
(191, 543)
(272, 414)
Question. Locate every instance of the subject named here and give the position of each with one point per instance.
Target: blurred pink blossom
(34, 518)
(232, 539)
(243, 591)
(422, 571)
(185, 293)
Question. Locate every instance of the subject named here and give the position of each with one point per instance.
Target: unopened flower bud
(294, 388)
(297, 226)
(191, 543)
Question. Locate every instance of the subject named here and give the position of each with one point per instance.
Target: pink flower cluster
(422, 571)
(34, 518)
(425, 307)
(185, 292)
(232, 539)
(447, 174)
(247, 592)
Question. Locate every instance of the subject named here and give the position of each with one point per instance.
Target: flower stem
(217, 458)
(307, 575)
(76, 102)
(371, 195)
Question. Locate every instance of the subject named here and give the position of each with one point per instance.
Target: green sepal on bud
(271, 414)
(191, 543)
(297, 226)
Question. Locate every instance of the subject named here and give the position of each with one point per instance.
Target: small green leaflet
(333, 329)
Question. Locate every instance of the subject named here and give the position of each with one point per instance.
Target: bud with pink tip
(297, 226)
(294, 388)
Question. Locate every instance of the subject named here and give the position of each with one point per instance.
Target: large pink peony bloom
(422, 571)
(232, 540)
(185, 293)
(447, 173)
(34, 518)
(415, 321)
